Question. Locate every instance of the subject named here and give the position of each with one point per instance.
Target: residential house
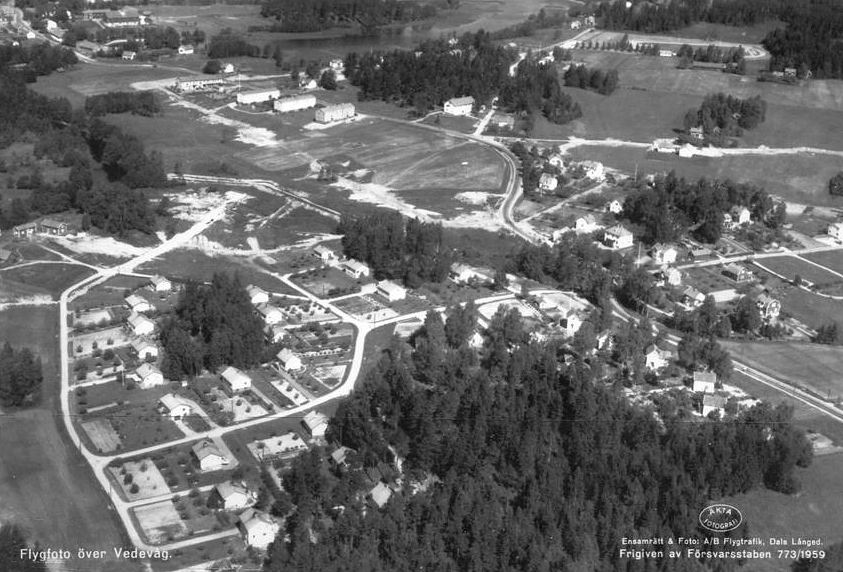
(257, 295)
(316, 424)
(173, 407)
(614, 206)
(697, 133)
(149, 375)
(138, 304)
(355, 269)
(25, 230)
(737, 273)
(289, 360)
(50, 226)
(145, 348)
(271, 314)
(740, 215)
(391, 291)
(160, 284)
(140, 324)
(258, 528)
(186, 50)
(340, 456)
(769, 307)
(233, 496)
(503, 120)
(594, 170)
(463, 274)
(713, 403)
(129, 55)
(209, 456)
(331, 113)
(380, 494)
(459, 106)
(663, 254)
(692, 297)
(324, 254)
(669, 277)
(654, 358)
(835, 230)
(308, 83)
(617, 237)
(257, 96)
(235, 379)
(586, 224)
(704, 381)
(548, 182)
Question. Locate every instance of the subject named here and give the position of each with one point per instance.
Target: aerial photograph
(421, 286)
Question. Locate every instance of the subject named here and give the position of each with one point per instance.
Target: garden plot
(239, 406)
(85, 344)
(139, 479)
(192, 205)
(286, 445)
(328, 373)
(102, 434)
(160, 522)
(92, 318)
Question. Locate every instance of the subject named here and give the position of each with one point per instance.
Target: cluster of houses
(44, 226)
(142, 329)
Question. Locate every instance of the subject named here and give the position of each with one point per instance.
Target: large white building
(236, 379)
(316, 424)
(196, 84)
(391, 291)
(459, 106)
(257, 96)
(296, 103)
(337, 112)
(258, 528)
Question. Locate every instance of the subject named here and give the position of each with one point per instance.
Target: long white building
(296, 103)
(335, 112)
(257, 96)
(187, 85)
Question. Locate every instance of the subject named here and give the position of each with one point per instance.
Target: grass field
(41, 279)
(832, 259)
(722, 33)
(790, 267)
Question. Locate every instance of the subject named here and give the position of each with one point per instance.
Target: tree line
(315, 15)
(143, 103)
(667, 16)
(595, 79)
(34, 60)
(21, 375)
(228, 44)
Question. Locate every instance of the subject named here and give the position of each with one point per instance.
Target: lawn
(832, 259)
(42, 279)
(327, 282)
(140, 425)
(179, 468)
(789, 267)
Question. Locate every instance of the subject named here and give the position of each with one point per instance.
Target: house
(5, 255)
(614, 207)
(391, 291)
(669, 276)
(257, 96)
(769, 307)
(296, 103)
(699, 254)
(740, 215)
(331, 113)
(594, 170)
(697, 133)
(233, 496)
(160, 284)
(186, 50)
(209, 456)
(585, 224)
(463, 274)
(324, 253)
(654, 358)
(257, 295)
(355, 269)
(666, 53)
(275, 333)
(835, 230)
(663, 254)
(149, 375)
(712, 403)
(258, 528)
(289, 360)
(340, 456)
(145, 348)
(189, 85)
(704, 382)
(548, 182)
(50, 226)
(173, 407)
(556, 161)
(25, 230)
(570, 322)
(576, 24)
(129, 55)
(138, 304)
(692, 297)
(52, 26)
(337, 65)
(737, 273)
(459, 106)
(140, 324)
(503, 120)
(307, 83)
(380, 494)
(617, 237)
(270, 314)
(236, 379)
(228, 68)
(316, 424)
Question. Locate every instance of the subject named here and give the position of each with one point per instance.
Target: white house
(614, 206)
(459, 106)
(548, 182)
(462, 273)
(236, 379)
(316, 424)
(209, 456)
(663, 254)
(258, 528)
(270, 314)
(160, 284)
(336, 112)
(704, 381)
(140, 324)
(340, 456)
(712, 403)
(391, 291)
(257, 295)
(234, 496)
(355, 269)
(594, 170)
(556, 160)
(257, 96)
(835, 230)
(296, 103)
(186, 49)
(145, 348)
(289, 360)
(380, 494)
(571, 322)
(769, 307)
(692, 297)
(617, 237)
(654, 358)
(585, 224)
(741, 215)
(173, 407)
(150, 376)
(138, 304)
(324, 253)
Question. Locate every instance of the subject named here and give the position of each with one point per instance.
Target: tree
(212, 67)
(747, 317)
(828, 334)
(20, 375)
(835, 184)
(328, 80)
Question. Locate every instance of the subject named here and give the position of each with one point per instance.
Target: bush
(128, 478)
(134, 489)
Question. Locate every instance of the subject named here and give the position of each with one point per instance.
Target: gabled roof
(234, 376)
(459, 101)
(285, 355)
(252, 519)
(705, 377)
(170, 401)
(159, 280)
(255, 291)
(48, 222)
(380, 494)
(206, 448)
(320, 249)
(227, 489)
(26, 226)
(140, 344)
(145, 370)
(314, 419)
(136, 319)
(391, 287)
(135, 300)
(618, 230)
(714, 400)
(353, 264)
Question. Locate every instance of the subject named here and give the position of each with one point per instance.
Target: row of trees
(314, 15)
(135, 102)
(674, 14)
(711, 53)
(34, 60)
(150, 37)
(594, 79)
(20, 375)
(228, 44)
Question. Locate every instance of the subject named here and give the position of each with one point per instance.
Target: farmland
(790, 267)
(41, 279)
(832, 259)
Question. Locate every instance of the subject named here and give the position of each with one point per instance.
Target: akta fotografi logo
(720, 518)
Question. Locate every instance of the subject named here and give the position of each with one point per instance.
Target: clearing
(160, 522)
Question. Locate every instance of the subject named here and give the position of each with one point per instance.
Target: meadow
(790, 267)
(832, 259)
(42, 279)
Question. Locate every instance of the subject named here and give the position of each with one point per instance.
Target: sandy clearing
(37, 300)
(381, 195)
(474, 197)
(89, 244)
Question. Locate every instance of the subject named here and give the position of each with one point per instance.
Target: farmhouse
(391, 291)
(270, 314)
(737, 273)
(316, 424)
(25, 230)
(663, 254)
(297, 103)
(459, 106)
(258, 528)
(140, 324)
(332, 113)
(617, 237)
(186, 50)
(696, 133)
(235, 379)
(503, 120)
(835, 230)
(138, 304)
(585, 224)
(289, 360)
(713, 403)
(380, 494)
(149, 375)
(692, 297)
(51, 226)
(188, 85)
(324, 253)
(209, 456)
(704, 381)
(257, 295)
(614, 207)
(548, 182)
(173, 407)
(654, 358)
(145, 348)
(463, 274)
(160, 284)
(355, 269)
(234, 496)
(257, 96)
(769, 307)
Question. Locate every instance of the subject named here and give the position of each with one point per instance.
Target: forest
(212, 325)
(20, 375)
(645, 16)
(34, 60)
(722, 116)
(315, 15)
(403, 249)
(595, 79)
(512, 460)
(135, 102)
(228, 44)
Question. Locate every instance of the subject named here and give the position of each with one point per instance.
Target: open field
(102, 435)
(45, 279)
(160, 522)
(832, 259)
(790, 267)
(723, 33)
